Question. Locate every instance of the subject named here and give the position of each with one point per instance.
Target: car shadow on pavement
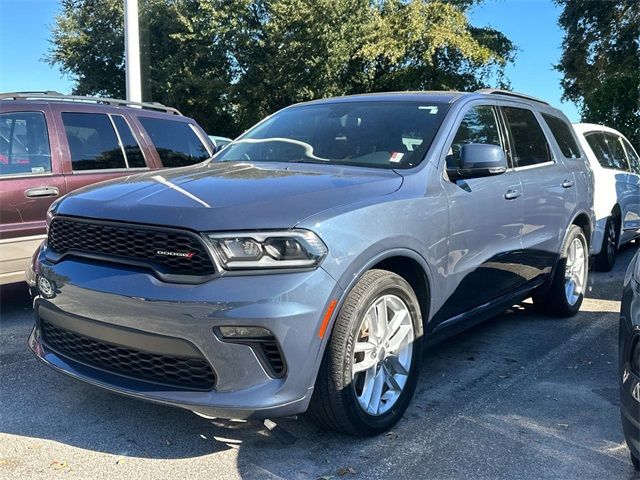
(550, 400)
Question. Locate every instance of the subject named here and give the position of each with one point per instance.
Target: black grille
(189, 373)
(274, 357)
(132, 244)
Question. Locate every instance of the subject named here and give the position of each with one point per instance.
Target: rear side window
(618, 155)
(479, 125)
(563, 135)
(530, 146)
(176, 142)
(634, 160)
(608, 150)
(24, 144)
(93, 143)
(132, 150)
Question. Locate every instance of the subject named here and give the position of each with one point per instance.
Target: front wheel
(569, 282)
(370, 368)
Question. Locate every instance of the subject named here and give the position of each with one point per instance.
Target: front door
(486, 218)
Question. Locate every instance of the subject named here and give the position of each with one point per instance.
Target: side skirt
(479, 314)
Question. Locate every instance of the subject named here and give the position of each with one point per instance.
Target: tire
(555, 300)
(636, 462)
(606, 259)
(335, 404)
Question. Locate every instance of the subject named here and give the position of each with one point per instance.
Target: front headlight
(266, 250)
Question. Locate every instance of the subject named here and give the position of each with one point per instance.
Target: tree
(600, 62)
(229, 63)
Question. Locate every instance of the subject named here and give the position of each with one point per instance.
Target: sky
(530, 24)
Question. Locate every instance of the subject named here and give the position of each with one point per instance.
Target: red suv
(51, 144)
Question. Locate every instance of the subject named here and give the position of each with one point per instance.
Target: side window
(176, 142)
(616, 150)
(92, 141)
(632, 155)
(479, 125)
(563, 135)
(132, 150)
(600, 149)
(530, 146)
(24, 144)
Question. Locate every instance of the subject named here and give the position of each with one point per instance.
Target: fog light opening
(246, 333)
(263, 343)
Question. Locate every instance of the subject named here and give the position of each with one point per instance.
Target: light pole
(132, 51)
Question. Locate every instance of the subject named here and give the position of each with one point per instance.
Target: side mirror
(479, 160)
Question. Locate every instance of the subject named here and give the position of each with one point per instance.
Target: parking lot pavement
(521, 396)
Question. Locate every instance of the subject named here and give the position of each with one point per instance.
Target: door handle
(567, 184)
(512, 194)
(42, 192)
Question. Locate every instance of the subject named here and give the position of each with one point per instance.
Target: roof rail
(51, 95)
(510, 94)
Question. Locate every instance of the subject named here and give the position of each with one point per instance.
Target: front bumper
(291, 306)
(629, 380)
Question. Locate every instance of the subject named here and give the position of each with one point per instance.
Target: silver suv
(309, 262)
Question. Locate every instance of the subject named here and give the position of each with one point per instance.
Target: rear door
(549, 189)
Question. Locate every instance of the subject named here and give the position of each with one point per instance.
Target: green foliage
(601, 62)
(229, 63)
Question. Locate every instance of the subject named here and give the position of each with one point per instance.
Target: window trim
(50, 173)
(136, 139)
(124, 154)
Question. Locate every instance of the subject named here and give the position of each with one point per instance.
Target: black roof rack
(56, 96)
(510, 94)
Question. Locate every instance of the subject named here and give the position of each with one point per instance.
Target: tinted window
(617, 155)
(479, 125)
(634, 160)
(529, 143)
(24, 143)
(135, 159)
(367, 133)
(176, 142)
(563, 135)
(93, 143)
(600, 149)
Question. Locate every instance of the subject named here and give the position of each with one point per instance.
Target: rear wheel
(370, 368)
(565, 295)
(606, 259)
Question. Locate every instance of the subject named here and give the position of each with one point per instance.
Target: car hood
(229, 195)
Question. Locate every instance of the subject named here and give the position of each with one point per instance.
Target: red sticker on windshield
(396, 157)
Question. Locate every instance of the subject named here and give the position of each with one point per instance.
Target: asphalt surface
(521, 396)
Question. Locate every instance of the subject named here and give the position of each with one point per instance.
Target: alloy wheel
(382, 354)
(575, 270)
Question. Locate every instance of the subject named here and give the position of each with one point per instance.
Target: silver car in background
(616, 170)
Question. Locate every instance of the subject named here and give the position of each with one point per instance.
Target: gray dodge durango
(306, 265)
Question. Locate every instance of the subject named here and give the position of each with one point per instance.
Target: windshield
(370, 134)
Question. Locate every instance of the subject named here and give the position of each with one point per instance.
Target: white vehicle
(616, 168)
